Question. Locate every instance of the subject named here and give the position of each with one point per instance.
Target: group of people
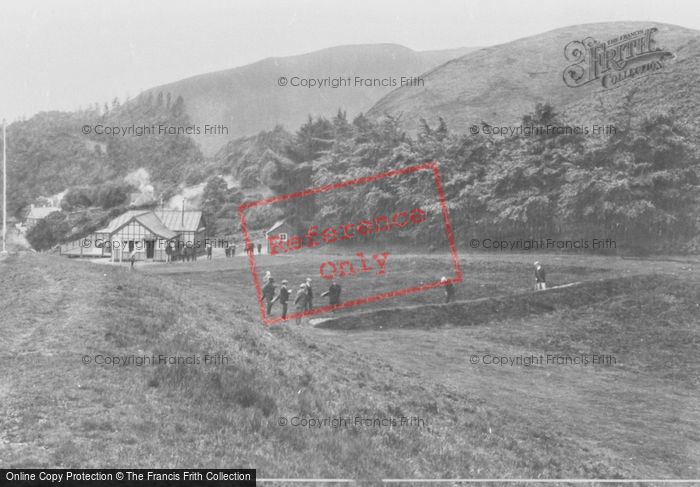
(185, 253)
(230, 250)
(303, 300)
(250, 248)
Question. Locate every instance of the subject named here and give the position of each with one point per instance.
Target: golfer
(449, 289)
(300, 301)
(540, 282)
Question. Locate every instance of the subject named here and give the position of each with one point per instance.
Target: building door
(150, 248)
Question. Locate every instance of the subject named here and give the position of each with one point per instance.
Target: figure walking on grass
(333, 293)
(309, 294)
(540, 282)
(449, 290)
(283, 298)
(268, 294)
(300, 301)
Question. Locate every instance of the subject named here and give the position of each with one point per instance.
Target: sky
(74, 53)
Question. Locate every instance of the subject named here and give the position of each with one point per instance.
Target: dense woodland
(638, 186)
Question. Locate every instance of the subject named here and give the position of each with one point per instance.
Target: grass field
(636, 418)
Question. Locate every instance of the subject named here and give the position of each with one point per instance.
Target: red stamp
(326, 240)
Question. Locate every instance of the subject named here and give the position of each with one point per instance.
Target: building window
(283, 237)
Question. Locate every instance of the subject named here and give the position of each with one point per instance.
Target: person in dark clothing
(259, 248)
(249, 249)
(300, 301)
(449, 290)
(283, 298)
(209, 251)
(233, 250)
(333, 293)
(227, 251)
(310, 294)
(540, 281)
(268, 294)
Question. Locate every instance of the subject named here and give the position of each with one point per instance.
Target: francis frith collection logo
(632, 55)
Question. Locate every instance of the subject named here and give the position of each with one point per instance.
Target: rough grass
(486, 310)
(57, 412)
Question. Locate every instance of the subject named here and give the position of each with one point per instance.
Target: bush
(48, 232)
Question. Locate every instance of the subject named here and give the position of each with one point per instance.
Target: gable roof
(151, 222)
(191, 221)
(39, 212)
(121, 220)
(164, 223)
(276, 226)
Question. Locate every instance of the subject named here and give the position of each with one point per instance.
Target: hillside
(51, 151)
(498, 84)
(248, 99)
(58, 408)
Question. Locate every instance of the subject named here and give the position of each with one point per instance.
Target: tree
(313, 139)
(110, 195)
(76, 198)
(48, 231)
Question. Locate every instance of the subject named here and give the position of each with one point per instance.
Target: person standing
(309, 294)
(168, 252)
(132, 259)
(449, 290)
(540, 281)
(283, 297)
(233, 249)
(333, 293)
(268, 294)
(300, 301)
(209, 251)
(259, 248)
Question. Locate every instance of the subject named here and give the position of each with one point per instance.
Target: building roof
(121, 220)
(158, 222)
(151, 221)
(276, 226)
(179, 221)
(39, 212)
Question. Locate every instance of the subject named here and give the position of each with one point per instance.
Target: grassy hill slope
(57, 411)
(499, 84)
(248, 99)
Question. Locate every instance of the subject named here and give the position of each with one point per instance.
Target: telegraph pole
(4, 187)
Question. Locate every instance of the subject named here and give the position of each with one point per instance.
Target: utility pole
(4, 187)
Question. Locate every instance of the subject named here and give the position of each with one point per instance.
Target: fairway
(640, 408)
(633, 413)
